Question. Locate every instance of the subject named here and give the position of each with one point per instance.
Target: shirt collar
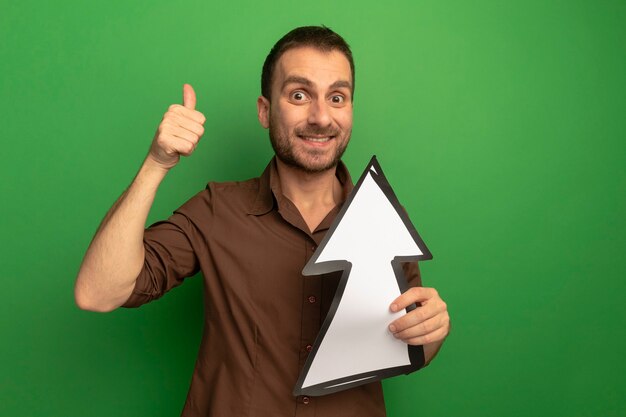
(270, 190)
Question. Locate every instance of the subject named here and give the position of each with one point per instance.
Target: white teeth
(317, 139)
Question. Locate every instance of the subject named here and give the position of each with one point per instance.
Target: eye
(298, 96)
(337, 99)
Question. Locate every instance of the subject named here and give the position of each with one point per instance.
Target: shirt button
(309, 348)
(312, 299)
(306, 400)
(313, 248)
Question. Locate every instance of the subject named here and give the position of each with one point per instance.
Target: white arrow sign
(369, 240)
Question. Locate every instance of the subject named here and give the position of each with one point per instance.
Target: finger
(422, 328)
(184, 122)
(174, 145)
(195, 128)
(411, 296)
(183, 133)
(194, 115)
(189, 97)
(415, 317)
(435, 336)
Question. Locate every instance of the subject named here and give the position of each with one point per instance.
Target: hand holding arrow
(370, 239)
(427, 325)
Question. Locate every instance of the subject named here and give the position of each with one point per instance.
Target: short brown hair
(319, 37)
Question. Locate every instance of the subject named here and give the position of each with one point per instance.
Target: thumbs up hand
(179, 131)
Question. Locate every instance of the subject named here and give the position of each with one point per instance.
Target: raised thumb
(189, 97)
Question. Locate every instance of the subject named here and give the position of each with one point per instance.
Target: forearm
(116, 254)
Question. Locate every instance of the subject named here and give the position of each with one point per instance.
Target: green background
(501, 126)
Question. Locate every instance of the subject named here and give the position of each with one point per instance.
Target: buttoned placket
(311, 311)
(312, 289)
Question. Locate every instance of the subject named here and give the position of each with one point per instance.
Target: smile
(316, 139)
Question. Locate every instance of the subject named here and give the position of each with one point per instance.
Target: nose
(319, 113)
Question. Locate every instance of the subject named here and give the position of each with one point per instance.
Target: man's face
(310, 114)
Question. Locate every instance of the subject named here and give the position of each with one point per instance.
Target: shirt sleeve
(169, 259)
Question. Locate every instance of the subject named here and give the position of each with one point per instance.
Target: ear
(263, 111)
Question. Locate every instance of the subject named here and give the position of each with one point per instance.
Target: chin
(317, 166)
(307, 165)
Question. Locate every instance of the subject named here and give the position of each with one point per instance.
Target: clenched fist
(179, 131)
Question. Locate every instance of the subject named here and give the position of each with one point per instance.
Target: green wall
(500, 124)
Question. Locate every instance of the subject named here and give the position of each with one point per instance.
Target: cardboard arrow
(369, 240)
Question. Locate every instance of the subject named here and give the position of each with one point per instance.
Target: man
(251, 240)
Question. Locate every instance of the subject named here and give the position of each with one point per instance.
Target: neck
(314, 194)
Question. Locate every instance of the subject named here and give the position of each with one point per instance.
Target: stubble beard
(311, 163)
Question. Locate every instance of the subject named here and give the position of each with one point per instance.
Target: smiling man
(251, 240)
(310, 118)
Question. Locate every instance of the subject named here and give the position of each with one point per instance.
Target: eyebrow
(341, 84)
(295, 79)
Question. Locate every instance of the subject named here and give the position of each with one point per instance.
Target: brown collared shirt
(261, 315)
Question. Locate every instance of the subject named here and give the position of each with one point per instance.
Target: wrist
(151, 173)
